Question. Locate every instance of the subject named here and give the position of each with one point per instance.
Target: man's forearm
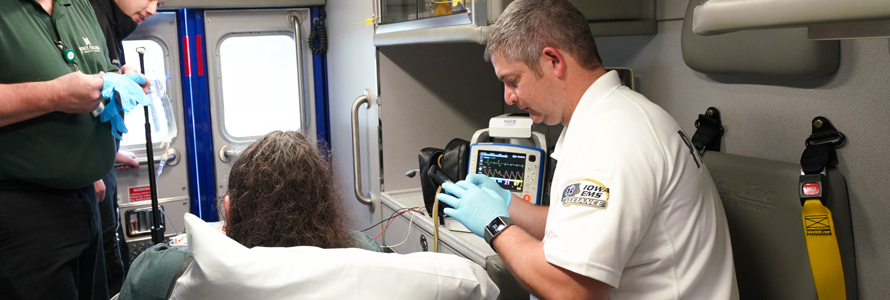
(24, 101)
(532, 218)
(524, 256)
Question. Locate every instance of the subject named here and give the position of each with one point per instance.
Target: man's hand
(99, 185)
(77, 92)
(483, 181)
(127, 69)
(472, 206)
(127, 161)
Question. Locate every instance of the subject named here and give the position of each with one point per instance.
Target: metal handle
(144, 160)
(356, 166)
(172, 159)
(295, 18)
(227, 153)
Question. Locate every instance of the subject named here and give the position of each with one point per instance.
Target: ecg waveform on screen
(492, 162)
(510, 176)
(507, 169)
(507, 179)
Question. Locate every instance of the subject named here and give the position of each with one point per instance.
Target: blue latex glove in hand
(483, 181)
(471, 205)
(114, 113)
(124, 94)
(128, 87)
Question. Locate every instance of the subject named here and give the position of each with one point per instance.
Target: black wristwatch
(496, 227)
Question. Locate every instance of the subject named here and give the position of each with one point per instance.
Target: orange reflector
(811, 189)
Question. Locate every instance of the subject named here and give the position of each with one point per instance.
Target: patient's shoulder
(152, 273)
(363, 241)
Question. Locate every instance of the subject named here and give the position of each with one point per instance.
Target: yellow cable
(436, 212)
(825, 256)
(436, 221)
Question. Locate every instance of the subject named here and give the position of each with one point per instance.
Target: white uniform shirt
(633, 206)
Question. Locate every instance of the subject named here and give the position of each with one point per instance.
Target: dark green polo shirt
(58, 150)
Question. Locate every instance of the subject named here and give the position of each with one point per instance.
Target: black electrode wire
(391, 216)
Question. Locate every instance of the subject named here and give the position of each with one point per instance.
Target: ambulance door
(158, 38)
(259, 76)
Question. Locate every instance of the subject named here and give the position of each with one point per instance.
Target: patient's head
(281, 194)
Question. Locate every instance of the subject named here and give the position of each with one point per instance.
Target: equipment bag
(453, 161)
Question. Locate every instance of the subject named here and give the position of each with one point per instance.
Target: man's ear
(553, 61)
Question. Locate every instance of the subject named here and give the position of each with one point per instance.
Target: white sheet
(224, 269)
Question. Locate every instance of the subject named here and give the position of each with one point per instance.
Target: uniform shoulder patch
(586, 192)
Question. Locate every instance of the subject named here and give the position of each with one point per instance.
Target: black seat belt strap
(820, 230)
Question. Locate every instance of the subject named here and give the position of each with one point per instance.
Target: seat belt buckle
(810, 187)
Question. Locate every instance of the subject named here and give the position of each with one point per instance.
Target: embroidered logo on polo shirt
(88, 48)
(586, 192)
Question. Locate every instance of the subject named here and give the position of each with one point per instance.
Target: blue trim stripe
(196, 103)
(320, 73)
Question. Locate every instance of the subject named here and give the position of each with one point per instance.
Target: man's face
(528, 91)
(139, 10)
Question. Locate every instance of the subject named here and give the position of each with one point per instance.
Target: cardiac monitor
(517, 168)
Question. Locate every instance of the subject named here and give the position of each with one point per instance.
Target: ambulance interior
(398, 79)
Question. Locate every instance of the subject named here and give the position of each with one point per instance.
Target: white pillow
(224, 269)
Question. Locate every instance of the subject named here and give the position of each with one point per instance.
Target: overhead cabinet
(402, 22)
(826, 19)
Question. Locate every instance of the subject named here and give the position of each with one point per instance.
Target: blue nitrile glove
(113, 113)
(128, 88)
(145, 100)
(123, 93)
(471, 205)
(481, 180)
(136, 77)
(111, 109)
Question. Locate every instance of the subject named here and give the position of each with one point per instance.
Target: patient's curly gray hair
(282, 194)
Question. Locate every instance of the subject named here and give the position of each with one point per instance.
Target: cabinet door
(602, 10)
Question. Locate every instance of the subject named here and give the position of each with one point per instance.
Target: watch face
(495, 226)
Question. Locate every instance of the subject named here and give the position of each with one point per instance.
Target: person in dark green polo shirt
(52, 149)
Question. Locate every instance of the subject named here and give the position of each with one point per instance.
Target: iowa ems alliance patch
(586, 192)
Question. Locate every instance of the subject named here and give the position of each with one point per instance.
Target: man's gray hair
(526, 27)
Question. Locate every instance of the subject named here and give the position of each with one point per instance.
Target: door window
(260, 87)
(160, 112)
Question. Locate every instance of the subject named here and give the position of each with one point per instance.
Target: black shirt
(116, 26)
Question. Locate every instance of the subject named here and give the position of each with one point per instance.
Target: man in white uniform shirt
(634, 213)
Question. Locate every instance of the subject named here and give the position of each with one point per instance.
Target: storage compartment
(394, 11)
(432, 21)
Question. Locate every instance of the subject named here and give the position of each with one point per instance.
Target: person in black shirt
(118, 19)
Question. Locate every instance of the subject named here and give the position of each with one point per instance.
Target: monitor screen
(505, 168)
